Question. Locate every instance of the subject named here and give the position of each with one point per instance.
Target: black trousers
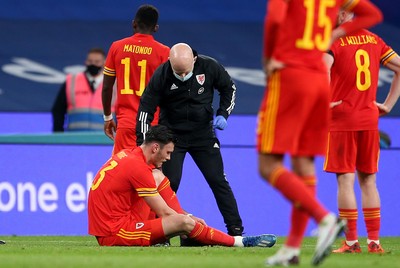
(207, 156)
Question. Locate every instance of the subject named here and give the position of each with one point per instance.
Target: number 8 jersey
(356, 84)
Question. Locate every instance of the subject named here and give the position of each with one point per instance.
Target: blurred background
(44, 179)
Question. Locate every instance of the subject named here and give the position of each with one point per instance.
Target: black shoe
(188, 242)
(167, 243)
(235, 230)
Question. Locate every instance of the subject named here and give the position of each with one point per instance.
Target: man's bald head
(182, 59)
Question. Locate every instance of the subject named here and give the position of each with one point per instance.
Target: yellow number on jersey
(321, 41)
(127, 69)
(363, 63)
(97, 181)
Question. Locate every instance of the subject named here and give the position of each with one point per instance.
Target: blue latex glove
(220, 122)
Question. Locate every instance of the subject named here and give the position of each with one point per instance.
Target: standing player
(128, 188)
(131, 61)
(293, 116)
(353, 142)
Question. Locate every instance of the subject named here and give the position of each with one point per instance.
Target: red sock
(372, 218)
(210, 236)
(169, 196)
(351, 215)
(299, 217)
(291, 186)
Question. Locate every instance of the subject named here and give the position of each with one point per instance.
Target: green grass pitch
(83, 251)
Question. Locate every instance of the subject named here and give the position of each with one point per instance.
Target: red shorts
(349, 151)
(134, 233)
(293, 117)
(125, 138)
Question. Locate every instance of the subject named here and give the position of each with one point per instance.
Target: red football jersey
(133, 61)
(354, 80)
(117, 191)
(298, 32)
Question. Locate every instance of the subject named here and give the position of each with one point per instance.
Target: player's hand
(200, 220)
(110, 128)
(220, 122)
(383, 109)
(335, 103)
(273, 65)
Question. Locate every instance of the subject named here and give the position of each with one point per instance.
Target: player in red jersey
(131, 61)
(353, 143)
(127, 190)
(293, 117)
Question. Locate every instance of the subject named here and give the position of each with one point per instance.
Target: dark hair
(159, 134)
(147, 17)
(97, 50)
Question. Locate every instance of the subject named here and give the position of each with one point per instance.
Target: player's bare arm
(394, 92)
(158, 205)
(107, 92)
(329, 60)
(274, 65)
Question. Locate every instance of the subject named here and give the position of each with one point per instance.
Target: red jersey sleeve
(140, 174)
(275, 14)
(109, 66)
(366, 15)
(144, 184)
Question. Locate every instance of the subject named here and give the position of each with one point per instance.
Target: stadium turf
(83, 251)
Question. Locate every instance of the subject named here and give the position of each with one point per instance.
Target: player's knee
(265, 172)
(158, 176)
(303, 166)
(187, 223)
(368, 185)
